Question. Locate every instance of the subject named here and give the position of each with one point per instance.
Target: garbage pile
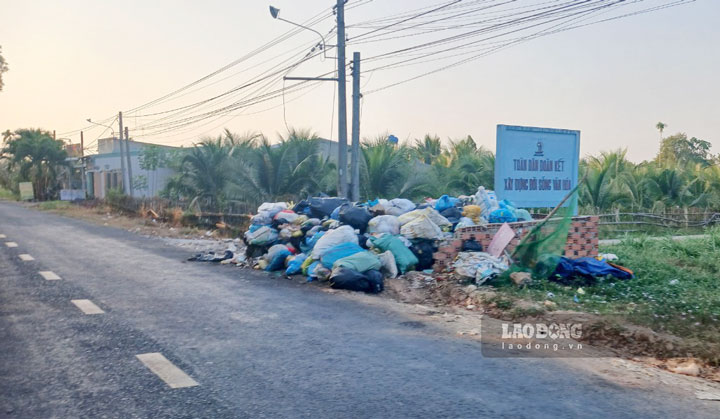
(356, 246)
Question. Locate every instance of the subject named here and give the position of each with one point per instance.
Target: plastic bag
(360, 261)
(306, 265)
(323, 207)
(286, 215)
(502, 215)
(338, 252)
(452, 214)
(464, 222)
(295, 265)
(273, 250)
(404, 257)
(487, 201)
(331, 238)
(348, 279)
(272, 208)
(262, 218)
(421, 228)
(355, 216)
(384, 224)
(474, 212)
(263, 235)
(388, 266)
(445, 202)
(423, 251)
(522, 215)
(398, 206)
(433, 215)
(278, 261)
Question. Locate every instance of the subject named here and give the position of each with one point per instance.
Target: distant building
(103, 171)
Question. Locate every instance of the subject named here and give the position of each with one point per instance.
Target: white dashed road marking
(49, 275)
(11, 244)
(173, 376)
(25, 257)
(87, 306)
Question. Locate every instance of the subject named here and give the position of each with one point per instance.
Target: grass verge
(676, 289)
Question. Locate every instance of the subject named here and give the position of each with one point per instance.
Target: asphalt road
(257, 346)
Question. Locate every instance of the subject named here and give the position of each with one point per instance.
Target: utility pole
(122, 154)
(342, 102)
(355, 153)
(129, 161)
(82, 164)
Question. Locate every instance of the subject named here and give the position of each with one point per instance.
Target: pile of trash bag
(355, 245)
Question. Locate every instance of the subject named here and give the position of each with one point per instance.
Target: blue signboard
(535, 167)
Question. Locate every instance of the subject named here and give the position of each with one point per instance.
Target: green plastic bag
(404, 257)
(361, 262)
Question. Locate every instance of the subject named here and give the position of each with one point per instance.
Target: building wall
(105, 170)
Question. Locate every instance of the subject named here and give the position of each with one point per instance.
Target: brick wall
(582, 239)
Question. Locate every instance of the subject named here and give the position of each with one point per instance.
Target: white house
(103, 171)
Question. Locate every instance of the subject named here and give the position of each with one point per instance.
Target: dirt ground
(459, 309)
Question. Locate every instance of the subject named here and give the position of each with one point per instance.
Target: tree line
(251, 169)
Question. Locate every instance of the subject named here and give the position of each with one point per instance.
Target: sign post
(536, 167)
(26, 191)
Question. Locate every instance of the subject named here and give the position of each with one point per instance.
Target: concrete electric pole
(355, 151)
(129, 161)
(122, 153)
(342, 102)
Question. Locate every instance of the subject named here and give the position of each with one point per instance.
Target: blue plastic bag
(311, 270)
(278, 261)
(338, 252)
(295, 265)
(502, 215)
(445, 202)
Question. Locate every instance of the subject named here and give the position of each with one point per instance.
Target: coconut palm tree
(428, 149)
(37, 157)
(661, 127)
(384, 169)
(606, 184)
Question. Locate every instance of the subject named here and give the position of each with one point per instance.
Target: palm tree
(606, 183)
(384, 168)
(661, 127)
(38, 158)
(428, 149)
(288, 169)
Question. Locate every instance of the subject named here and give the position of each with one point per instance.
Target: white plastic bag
(389, 268)
(487, 200)
(398, 206)
(273, 250)
(384, 224)
(464, 222)
(332, 238)
(421, 227)
(272, 208)
(428, 212)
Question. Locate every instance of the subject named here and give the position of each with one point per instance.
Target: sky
(613, 81)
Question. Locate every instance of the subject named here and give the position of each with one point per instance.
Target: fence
(685, 220)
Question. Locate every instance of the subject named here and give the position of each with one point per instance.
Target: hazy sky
(74, 59)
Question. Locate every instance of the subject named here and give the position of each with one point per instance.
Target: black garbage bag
(350, 279)
(302, 207)
(255, 251)
(471, 246)
(453, 214)
(423, 251)
(362, 240)
(355, 216)
(322, 207)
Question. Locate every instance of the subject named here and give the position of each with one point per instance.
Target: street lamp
(275, 12)
(106, 126)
